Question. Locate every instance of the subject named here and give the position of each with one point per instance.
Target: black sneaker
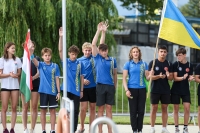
(43, 131)
(5, 131)
(12, 130)
(52, 131)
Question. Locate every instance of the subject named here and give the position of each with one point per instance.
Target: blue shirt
(104, 69)
(90, 72)
(48, 74)
(74, 70)
(136, 72)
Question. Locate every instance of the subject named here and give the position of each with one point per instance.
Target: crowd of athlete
(91, 81)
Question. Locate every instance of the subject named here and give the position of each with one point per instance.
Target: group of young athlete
(180, 72)
(91, 80)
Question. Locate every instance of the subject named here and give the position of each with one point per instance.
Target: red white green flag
(26, 79)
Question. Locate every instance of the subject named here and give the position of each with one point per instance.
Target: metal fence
(121, 107)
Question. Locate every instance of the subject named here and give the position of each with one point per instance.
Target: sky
(124, 12)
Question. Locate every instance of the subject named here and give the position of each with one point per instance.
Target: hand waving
(30, 47)
(99, 26)
(105, 26)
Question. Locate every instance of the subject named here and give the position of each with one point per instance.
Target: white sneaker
(152, 130)
(185, 130)
(177, 130)
(32, 131)
(164, 130)
(26, 131)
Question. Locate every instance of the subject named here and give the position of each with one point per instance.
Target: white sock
(152, 128)
(163, 127)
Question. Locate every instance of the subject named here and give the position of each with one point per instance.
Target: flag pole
(156, 49)
(30, 95)
(31, 115)
(64, 48)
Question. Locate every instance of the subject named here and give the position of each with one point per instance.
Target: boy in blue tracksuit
(49, 88)
(75, 78)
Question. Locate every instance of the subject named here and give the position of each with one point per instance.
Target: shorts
(105, 94)
(47, 100)
(3, 89)
(89, 94)
(163, 98)
(35, 89)
(176, 99)
(198, 100)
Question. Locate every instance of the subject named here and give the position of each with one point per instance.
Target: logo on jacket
(157, 68)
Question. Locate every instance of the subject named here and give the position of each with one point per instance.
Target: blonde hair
(87, 45)
(46, 50)
(130, 53)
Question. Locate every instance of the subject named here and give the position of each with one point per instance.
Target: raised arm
(60, 48)
(95, 39)
(103, 34)
(31, 50)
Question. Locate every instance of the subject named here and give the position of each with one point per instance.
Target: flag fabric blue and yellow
(175, 28)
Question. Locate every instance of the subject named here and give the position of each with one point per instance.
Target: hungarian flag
(26, 79)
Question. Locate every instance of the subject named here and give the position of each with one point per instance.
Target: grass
(123, 120)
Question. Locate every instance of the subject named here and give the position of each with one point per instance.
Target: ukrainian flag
(175, 28)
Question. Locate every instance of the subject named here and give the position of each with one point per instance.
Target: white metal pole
(64, 48)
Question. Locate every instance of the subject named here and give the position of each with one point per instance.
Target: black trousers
(137, 108)
(76, 100)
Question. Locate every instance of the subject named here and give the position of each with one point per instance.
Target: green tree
(146, 7)
(191, 9)
(44, 17)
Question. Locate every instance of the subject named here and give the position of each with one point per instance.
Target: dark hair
(181, 51)
(74, 49)
(162, 47)
(46, 50)
(103, 47)
(31, 41)
(5, 53)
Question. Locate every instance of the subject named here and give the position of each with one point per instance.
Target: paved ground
(121, 128)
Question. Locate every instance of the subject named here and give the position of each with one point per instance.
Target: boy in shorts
(106, 70)
(89, 91)
(49, 88)
(182, 72)
(160, 89)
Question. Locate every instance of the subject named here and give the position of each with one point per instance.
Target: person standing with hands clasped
(10, 68)
(75, 76)
(183, 73)
(160, 89)
(49, 88)
(106, 71)
(135, 90)
(89, 91)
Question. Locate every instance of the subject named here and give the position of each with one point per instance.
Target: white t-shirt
(10, 66)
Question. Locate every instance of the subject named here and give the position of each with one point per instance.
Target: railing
(103, 120)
